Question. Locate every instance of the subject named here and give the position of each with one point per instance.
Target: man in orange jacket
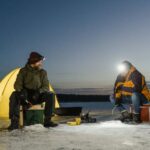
(130, 88)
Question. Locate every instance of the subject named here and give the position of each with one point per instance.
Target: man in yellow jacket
(130, 88)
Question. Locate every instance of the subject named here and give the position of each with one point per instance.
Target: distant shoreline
(66, 98)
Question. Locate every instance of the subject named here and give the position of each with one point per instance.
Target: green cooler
(34, 115)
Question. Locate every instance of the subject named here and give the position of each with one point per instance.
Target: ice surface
(106, 135)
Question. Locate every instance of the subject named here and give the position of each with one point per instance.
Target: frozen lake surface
(112, 135)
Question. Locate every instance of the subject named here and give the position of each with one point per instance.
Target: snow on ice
(112, 135)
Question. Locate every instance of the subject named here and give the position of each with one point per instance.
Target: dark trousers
(15, 102)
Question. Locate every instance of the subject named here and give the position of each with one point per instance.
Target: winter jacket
(133, 82)
(32, 79)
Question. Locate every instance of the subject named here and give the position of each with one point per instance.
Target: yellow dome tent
(6, 89)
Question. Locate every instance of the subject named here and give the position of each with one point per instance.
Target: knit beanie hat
(35, 57)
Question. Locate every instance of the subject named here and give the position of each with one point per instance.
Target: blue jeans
(137, 100)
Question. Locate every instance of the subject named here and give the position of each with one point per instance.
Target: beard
(38, 67)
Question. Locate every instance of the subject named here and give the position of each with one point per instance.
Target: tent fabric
(6, 89)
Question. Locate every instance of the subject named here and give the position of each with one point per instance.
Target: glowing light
(121, 68)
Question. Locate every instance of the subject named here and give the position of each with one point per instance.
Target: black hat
(127, 64)
(35, 57)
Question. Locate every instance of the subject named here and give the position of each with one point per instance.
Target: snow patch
(107, 135)
(94, 126)
(37, 127)
(115, 124)
(129, 143)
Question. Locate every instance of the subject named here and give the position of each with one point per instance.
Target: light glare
(121, 68)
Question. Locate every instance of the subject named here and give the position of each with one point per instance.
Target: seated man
(130, 88)
(31, 87)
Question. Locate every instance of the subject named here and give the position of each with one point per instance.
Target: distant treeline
(82, 98)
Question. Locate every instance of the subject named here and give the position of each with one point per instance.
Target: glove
(35, 96)
(23, 95)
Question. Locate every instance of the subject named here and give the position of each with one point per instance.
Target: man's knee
(136, 96)
(47, 96)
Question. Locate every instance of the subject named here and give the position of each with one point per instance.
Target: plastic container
(34, 115)
(145, 113)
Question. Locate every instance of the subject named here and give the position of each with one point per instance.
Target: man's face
(124, 73)
(38, 64)
(123, 70)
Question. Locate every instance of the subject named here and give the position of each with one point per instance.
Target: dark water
(90, 105)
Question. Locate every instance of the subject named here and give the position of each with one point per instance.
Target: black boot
(125, 117)
(14, 123)
(136, 119)
(48, 123)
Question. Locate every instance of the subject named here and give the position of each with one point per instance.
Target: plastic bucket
(145, 113)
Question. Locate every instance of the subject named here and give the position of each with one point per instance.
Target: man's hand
(119, 87)
(35, 96)
(23, 95)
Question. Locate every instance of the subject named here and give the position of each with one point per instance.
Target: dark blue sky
(83, 40)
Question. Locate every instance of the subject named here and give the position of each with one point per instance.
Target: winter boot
(136, 119)
(14, 123)
(48, 123)
(86, 118)
(125, 116)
